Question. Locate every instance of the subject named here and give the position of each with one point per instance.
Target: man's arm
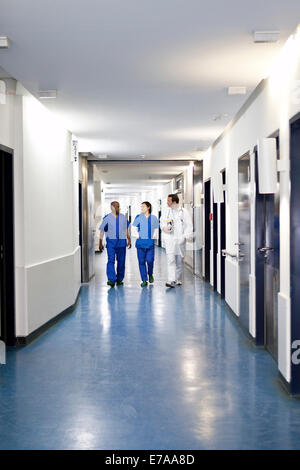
(128, 238)
(101, 247)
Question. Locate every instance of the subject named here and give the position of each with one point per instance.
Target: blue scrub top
(115, 229)
(146, 227)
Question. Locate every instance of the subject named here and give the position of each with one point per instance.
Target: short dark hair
(148, 205)
(174, 197)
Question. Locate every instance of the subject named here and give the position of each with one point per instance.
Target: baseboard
(21, 341)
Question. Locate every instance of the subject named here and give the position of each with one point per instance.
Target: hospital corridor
(149, 227)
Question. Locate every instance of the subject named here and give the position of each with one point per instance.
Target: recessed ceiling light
(142, 156)
(102, 156)
(4, 42)
(47, 94)
(237, 90)
(266, 36)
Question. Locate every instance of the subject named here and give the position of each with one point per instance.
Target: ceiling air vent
(266, 36)
(4, 42)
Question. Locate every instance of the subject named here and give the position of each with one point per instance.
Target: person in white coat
(177, 228)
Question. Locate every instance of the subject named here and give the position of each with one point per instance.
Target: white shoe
(171, 284)
(179, 283)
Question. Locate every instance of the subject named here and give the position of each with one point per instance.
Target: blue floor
(136, 368)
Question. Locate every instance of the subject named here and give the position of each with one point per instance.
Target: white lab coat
(175, 241)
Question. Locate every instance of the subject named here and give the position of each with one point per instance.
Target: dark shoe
(171, 284)
(151, 279)
(111, 283)
(120, 283)
(144, 284)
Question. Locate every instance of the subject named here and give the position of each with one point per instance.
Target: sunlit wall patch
(2, 92)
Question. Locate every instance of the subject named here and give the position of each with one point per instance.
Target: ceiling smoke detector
(237, 90)
(47, 94)
(266, 36)
(4, 42)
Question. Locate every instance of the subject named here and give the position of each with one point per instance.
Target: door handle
(265, 250)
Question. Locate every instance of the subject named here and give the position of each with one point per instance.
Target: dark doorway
(223, 237)
(80, 224)
(7, 291)
(207, 238)
(215, 241)
(295, 246)
(267, 267)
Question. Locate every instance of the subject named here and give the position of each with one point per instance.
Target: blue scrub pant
(113, 253)
(145, 255)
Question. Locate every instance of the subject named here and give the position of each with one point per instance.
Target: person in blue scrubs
(146, 224)
(115, 226)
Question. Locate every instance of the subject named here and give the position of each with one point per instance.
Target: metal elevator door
(244, 236)
(198, 218)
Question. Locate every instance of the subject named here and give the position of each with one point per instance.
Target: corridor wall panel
(267, 110)
(232, 285)
(47, 266)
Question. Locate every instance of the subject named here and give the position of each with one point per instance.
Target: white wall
(47, 256)
(277, 102)
(7, 114)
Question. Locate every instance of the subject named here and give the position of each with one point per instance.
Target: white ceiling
(142, 77)
(135, 177)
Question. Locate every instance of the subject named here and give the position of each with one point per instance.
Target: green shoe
(111, 283)
(144, 284)
(151, 279)
(120, 283)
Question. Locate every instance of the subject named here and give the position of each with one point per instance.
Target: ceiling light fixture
(4, 42)
(266, 36)
(102, 156)
(237, 90)
(47, 94)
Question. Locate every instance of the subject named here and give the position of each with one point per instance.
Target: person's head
(146, 207)
(172, 200)
(115, 207)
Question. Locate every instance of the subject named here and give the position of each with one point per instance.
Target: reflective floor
(148, 368)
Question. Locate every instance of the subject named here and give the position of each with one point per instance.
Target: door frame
(259, 260)
(243, 323)
(223, 236)
(8, 269)
(207, 232)
(215, 243)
